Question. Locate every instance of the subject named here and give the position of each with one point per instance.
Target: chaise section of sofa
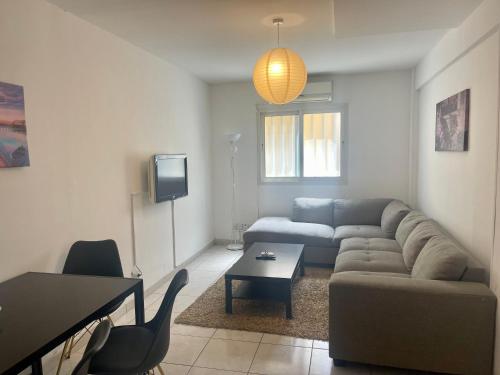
(321, 225)
(415, 302)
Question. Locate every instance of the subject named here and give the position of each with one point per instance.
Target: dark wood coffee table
(266, 279)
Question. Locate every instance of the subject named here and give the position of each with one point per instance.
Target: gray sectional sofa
(403, 292)
(321, 225)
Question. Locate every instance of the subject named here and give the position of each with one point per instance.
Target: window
(302, 144)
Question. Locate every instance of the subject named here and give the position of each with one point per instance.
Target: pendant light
(280, 75)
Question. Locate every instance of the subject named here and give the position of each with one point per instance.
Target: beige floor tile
(152, 298)
(67, 366)
(148, 314)
(185, 330)
(182, 302)
(184, 350)
(202, 275)
(229, 334)
(286, 340)
(210, 371)
(322, 364)
(281, 359)
(194, 289)
(125, 319)
(171, 369)
(318, 344)
(227, 355)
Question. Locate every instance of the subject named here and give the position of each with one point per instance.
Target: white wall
(460, 190)
(378, 146)
(97, 108)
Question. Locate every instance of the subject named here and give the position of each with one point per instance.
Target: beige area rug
(310, 309)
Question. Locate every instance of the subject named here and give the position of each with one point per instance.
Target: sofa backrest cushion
(392, 215)
(313, 210)
(440, 259)
(359, 211)
(407, 225)
(417, 240)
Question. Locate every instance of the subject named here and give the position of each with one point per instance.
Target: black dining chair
(92, 258)
(139, 348)
(96, 342)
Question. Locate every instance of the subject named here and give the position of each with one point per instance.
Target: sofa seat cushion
(376, 244)
(370, 261)
(282, 229)
(364, 231)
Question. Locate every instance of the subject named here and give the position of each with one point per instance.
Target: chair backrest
(95, 344)
(96, 258)
(160, 324)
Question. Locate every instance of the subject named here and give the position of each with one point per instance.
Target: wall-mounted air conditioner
(316, 92)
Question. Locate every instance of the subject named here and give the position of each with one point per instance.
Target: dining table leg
(139, 303)
(36, 367)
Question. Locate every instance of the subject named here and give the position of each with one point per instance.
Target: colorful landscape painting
(13, 138)
(452, 123)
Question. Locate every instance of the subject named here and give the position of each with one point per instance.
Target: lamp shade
(279, 76)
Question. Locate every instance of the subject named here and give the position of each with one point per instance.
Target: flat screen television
(167, 177)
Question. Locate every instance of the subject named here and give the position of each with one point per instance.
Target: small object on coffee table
(266, 255)
(266, 280)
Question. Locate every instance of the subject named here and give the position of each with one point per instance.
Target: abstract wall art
(13, 136)
(452, 123)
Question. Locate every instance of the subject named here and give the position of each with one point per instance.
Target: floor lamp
(235, 243)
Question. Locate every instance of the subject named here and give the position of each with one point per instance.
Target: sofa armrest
(442, 326)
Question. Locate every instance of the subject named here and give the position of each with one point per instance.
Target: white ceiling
(220, 40)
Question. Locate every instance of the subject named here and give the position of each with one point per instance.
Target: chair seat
(124, 352)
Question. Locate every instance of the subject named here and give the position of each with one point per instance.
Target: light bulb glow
(279, 76)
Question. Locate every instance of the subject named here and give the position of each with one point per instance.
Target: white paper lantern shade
(279, 76)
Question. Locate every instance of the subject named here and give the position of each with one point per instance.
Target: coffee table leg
(288, 301)
(229, 296)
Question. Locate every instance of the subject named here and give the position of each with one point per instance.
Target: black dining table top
(41, 310)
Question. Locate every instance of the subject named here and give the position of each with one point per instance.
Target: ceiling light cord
(278, 22)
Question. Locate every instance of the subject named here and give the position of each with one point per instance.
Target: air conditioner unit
(316, 92)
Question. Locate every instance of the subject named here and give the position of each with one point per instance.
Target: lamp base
(235, 246)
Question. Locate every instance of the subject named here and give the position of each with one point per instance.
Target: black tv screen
(169, 177)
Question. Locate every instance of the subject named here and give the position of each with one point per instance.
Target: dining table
(40, 311)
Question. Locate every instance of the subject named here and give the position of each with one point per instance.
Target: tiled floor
(207, 351)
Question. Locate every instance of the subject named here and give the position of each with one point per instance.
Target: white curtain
(280, 146)
(322, 145)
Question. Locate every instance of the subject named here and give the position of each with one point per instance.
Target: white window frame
(300, 109)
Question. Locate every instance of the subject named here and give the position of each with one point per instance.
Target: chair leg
(160, 370)
(68, 355)
(62, 357)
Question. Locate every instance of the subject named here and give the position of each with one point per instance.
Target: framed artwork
(452, 123)
(13, 137)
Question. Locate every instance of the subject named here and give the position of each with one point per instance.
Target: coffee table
(266, 279)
